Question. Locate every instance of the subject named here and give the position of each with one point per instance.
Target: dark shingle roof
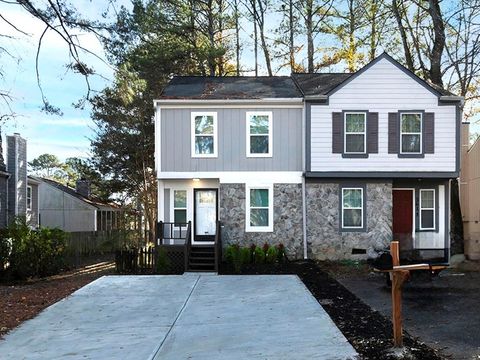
(319, 83)
(230, 87)
(92, 200)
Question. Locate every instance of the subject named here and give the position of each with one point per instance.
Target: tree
(45, 165)
(288, 30)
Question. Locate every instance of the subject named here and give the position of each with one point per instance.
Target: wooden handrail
(218, 245)
(188, 244)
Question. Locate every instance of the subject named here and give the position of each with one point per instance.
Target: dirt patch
(368, 331)
(22, 301)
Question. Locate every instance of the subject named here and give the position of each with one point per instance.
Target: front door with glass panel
(205, 213)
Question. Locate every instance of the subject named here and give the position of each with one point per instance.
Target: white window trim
(354, 208)
(31, 193)
(270, 132)
(248, 227)
(424, 208)
(172, 203)
(364, 133)
(412, 133)
(193, 135)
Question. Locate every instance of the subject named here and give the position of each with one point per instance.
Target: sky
(64, 136)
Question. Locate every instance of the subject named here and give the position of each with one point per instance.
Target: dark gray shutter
(337, 133)
(393, 141)
(429, 133)
(372, 133)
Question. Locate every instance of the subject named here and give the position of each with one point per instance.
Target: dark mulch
(21, 301)
(368, 331)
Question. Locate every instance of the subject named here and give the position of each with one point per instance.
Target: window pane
(411, 122)
(354, 143)
(352, 217)
(258, 144)
(204, 124)
(352, 198)
(427, 218)
(355, 123)
(427, 199)
(258, 197)
(411, 143)
(180, 216)
(259, 217)
(180, 199)
(204, 145)
(259, 124)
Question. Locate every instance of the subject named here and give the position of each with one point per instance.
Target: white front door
(205, 215)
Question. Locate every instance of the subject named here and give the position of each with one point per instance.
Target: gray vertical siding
(231, 123)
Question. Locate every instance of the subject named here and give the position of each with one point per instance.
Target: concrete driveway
(182, 317)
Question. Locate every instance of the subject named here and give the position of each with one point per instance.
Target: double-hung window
(355, 133)
(352, 208)
(427, 209)
(410, 133)
(259, 134)
(259, 209)
(179, 206)
(29, 198)
(204, 134)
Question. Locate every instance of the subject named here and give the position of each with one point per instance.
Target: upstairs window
(204, 134)
(352, 208)
(259, 209)
(355, 133)
(427, 209)
(180, 206)
(410, 133)
(29, 198)
(259, 134)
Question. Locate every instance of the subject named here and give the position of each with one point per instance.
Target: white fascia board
(236, 177)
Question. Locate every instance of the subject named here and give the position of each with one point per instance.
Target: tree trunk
(403, 35)
(351, 57)
(373, 29)
(438, 42)
(309, 28)
(255, 34)
(237, 37)
(211, 37)
(291, 42)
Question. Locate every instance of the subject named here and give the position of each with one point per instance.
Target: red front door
(403, 217)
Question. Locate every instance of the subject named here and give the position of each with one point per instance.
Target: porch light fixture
(196, 179)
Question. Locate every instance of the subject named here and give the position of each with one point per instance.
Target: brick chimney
(83, 187)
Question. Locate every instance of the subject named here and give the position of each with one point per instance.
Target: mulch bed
(368, 331)
(23, 300)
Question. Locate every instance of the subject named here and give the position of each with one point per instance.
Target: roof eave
(293, 101)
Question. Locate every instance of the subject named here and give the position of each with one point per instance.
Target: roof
(230, 87)
(91, 200)
(319, 83)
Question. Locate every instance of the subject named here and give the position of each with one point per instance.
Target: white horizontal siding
(383, 88)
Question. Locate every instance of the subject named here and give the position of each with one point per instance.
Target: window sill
(354, 156)
(411, 156)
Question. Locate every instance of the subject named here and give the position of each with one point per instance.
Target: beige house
(470, 193)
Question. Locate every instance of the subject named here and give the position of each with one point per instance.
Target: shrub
(35, 253)
(162, 262)
(272, 255)
(245, 255)
(259, 255)
(265, 247)
(281, 252)
(231, 253)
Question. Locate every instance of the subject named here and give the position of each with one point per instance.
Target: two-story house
(334, 166)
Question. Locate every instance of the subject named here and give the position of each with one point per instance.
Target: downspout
(304, 205)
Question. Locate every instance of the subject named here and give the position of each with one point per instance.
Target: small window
(259, 134)
(352, 208)
(427, 209)
(180, 206)
(355, 133)
(259, 209)
(410, 133)
(204, 134)
(29, 198)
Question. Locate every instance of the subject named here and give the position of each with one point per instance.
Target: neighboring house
(334, 166)
(72, 210)
(470, 193)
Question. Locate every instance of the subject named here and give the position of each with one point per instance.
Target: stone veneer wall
(287, 218)
(326, 242)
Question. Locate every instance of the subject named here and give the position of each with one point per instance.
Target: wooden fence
(169, 259)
